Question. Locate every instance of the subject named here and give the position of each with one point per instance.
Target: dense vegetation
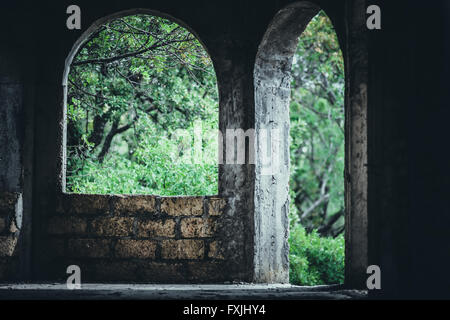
(134, 86)
(314, 259)
(317, 157)
(138, 80)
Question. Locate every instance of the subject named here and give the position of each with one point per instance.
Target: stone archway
(272, 97)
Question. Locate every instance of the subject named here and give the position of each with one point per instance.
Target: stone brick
(89, 248)
(215, 251)
(134, 204)
(83, 204)
(160, 228)
(9, 269)
(182, 249)
(182, 206)
(3, 269)
(114, 271)
(216, 206)
(197, 227)
(7, 246)
(2, 224)
(56, 247)
(8, 202)
(112, 226)
(146, 271)
(206, 271)
(66, 225)
(135, 249)
(160, 272)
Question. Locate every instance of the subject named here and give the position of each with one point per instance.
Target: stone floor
(55, 291)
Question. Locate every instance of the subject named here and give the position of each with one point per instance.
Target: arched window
(142, 111)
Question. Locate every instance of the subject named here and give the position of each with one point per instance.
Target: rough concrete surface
(55, 291)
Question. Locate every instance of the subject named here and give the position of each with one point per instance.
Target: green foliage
(153, 169)
(131, 86)
(317, 157)
(315, 260)
(317, 129)
(122, 176)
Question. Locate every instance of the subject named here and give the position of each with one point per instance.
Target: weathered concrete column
(14, 153)
(356, 176)
(272, 77)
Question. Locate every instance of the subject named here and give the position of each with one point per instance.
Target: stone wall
(137, 238)
(10, 224)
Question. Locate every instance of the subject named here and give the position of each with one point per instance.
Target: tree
(134, 76)
(317, 129)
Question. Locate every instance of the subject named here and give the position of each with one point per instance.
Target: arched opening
(273, 76)
(317, 151)
(141, 110)
(139, 234)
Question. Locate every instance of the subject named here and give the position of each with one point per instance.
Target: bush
(315, 260)
(151, 169)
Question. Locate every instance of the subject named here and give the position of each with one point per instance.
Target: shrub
(315, 260)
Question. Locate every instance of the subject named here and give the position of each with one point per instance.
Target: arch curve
(84, 38)
(97, 23)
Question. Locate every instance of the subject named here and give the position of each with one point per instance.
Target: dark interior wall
(408, 155)
(11, 162)
(16, 144)
(11, 133)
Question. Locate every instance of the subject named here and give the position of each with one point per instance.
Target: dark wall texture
(409, 215)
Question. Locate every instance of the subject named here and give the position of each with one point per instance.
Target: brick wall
(10, 223)
(137, 238)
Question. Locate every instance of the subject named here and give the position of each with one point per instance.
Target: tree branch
(324, 230)
(125, 55)
(314, 206)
